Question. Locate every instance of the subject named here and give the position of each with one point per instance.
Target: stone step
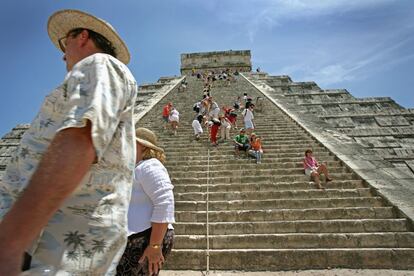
(287, 214)
(230, 158)
(184, 136)
(267, 204)
(238, 170)
(299, 226)
(199, 145)
(227, 151)
(228, 148)
(185, 129)
(255, 178)
(297, 241)
(263, 195)
(285, 162)
(292, 259)
(241, 160)
(266, 186)
(274, 126)
(224, 164)
(267, 134)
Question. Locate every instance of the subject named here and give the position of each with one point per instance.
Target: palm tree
(107, 207)
(72, 255)
(87, 254)
(98, 246)
(75, 239)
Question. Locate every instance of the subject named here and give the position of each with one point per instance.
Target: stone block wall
(216, 61)
(378, 124)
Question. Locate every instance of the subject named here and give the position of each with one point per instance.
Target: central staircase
(269, 216)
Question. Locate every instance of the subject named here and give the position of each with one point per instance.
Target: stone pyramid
(233, 214)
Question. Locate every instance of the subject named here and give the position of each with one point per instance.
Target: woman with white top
(151, 211)
(248, 119)
(174, 120)
(214, 109)
(198, 130)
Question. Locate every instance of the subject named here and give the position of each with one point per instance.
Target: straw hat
(61, 22)
(147, 138)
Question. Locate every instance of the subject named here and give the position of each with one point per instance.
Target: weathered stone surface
(216, 61)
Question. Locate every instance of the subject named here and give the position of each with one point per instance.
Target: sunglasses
(72, 33)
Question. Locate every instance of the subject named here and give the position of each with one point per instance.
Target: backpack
(195, 107)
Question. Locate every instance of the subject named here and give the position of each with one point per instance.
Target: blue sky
(365, 46)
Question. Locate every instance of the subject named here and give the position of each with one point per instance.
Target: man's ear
(83, 37)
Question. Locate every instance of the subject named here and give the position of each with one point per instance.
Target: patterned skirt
(128, 265)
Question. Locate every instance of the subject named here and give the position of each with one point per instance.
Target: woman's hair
(148, 153)
(308, 151)
(200, 118)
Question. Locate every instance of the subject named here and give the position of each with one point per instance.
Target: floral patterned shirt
(86, 236)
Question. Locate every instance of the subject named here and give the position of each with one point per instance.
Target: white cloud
(330, 74)
(273, 13)
(361, 65)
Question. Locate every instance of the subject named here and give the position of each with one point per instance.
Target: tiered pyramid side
(373, 136)
(268, 216)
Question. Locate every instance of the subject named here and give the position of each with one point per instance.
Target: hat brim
(61, 22)
(149, 144)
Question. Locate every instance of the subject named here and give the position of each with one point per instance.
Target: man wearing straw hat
(65, 194)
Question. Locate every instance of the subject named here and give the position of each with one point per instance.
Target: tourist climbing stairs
(234, 214)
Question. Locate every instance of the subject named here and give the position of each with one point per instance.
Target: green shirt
(242, 139)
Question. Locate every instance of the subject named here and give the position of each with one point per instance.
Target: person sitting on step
(241, 142)
(256, 149)
(313, 169)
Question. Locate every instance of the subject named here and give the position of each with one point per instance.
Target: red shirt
(166, 111)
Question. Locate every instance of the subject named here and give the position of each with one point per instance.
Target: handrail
(207, 218)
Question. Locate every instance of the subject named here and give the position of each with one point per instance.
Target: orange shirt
(256, 145)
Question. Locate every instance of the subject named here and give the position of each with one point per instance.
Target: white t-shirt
(248, 115)
(152, 198)
(197, 127)
(225, 123)
(174, 115)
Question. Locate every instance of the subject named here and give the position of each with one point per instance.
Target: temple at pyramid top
(239, 60)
